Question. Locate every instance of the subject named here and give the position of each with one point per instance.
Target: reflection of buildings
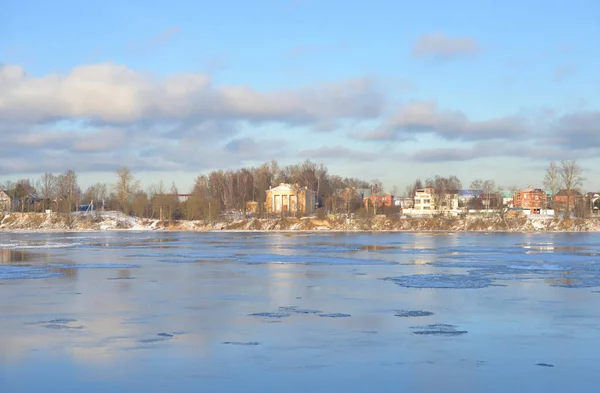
(13, 256)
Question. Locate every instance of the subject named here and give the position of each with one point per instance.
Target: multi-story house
(379, 201)
(532, 199)
(424, 199)
(562, 198)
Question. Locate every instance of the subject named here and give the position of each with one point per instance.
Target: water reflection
(168, 321)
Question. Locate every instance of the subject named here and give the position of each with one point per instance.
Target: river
(299, 312)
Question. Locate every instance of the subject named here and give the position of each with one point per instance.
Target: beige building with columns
(291, 199)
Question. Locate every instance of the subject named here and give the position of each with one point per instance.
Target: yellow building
(291, 198)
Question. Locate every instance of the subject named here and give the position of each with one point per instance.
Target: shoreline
(117, 222)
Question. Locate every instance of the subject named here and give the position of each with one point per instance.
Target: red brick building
(379, 201)
(530, 198)
(562, 198)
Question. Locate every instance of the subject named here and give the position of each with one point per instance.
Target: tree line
(230, 191)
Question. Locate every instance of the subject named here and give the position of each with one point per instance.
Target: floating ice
(58, 324)
(413, 313)
(95, 266)
(335, 315)
(438, 329)
(296, 310)
(457, 281)
(25, 272)
(308, 259)
(270, 314)
(159, 337)
(244, 343)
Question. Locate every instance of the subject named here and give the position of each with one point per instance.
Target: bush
(321, 213)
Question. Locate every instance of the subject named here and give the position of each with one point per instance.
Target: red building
(562, 198)
(379, 201)
(531, 198)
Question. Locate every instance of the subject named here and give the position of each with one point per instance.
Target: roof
(286, 187)
(532, 189)
(564, 192)
(4, 196)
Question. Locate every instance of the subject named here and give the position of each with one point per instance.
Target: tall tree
(47, 187)
(552, 180)
(571, 180)
(125, 188)
(69, 191)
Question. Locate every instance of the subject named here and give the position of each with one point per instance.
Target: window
(426, 201)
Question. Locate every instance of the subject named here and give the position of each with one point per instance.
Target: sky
(380, 89)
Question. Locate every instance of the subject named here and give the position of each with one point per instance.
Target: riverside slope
(119, 221)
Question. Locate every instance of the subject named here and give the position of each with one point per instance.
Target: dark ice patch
(455, 281)
(413, 313)
(159, 337)
(56, 326)
(335, 315)
(270, 314)
(544, 365)
(62, 320)
(242, 343)
(297, 310)
(438, 329)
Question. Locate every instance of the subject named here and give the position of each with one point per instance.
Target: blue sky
(380, 89)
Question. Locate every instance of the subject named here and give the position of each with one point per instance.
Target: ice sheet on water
(309, 259)
(297, 310)
(270, 314)
(37, 245)
(25, 272)
(58, 324)
(242, 343)
(413, 313)
(181, 256)
(335, 315)
(95, 266)
(456, 281)
(438, 329)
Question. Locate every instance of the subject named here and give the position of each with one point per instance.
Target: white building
(4, 202)
(424, 199)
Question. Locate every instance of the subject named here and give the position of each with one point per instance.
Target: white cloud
(425, 117)
(114, 93)
(443, 47)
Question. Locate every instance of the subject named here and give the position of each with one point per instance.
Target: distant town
(305, 189)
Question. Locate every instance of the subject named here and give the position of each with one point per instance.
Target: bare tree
(552, 180)
(571, 180)
(69, 191)
(125, 188)
(47, 187)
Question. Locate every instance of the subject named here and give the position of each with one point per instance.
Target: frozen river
(296, 312)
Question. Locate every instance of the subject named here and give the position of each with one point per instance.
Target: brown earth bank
(119, 221)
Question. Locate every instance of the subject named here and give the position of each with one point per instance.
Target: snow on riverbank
(106, 221)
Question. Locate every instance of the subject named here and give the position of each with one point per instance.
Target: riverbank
(119, 221)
